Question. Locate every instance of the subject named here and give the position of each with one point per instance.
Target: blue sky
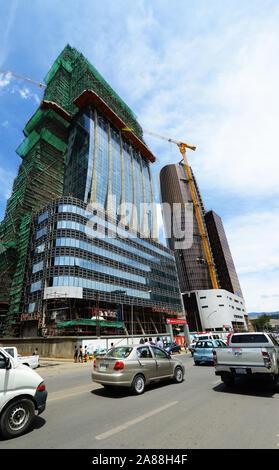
(203, 72)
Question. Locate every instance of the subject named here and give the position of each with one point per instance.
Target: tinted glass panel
(249, 338)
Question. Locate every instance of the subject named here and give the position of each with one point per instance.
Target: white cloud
(6, 183)
(253, 240)
(25, 93)
(5, 79)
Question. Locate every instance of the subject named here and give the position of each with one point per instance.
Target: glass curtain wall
(104, 166)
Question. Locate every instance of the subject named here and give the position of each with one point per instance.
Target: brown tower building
(224, 264)
(191, 263)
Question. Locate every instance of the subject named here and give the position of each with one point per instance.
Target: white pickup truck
(30, 361)
(248, 354)
(22, 395)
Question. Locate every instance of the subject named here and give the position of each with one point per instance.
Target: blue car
(203, 350)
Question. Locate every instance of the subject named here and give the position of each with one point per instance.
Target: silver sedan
(135, 367)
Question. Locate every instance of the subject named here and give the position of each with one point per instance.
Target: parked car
(172, 347)
(203, 350)
(135, 367)
(30, 361)
(22, 395)
(248, 354)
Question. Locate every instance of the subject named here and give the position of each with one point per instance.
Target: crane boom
(6, 72)
(182, 147)
(169, 139)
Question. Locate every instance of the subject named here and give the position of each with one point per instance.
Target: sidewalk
(52, 366)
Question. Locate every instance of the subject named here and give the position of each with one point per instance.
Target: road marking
(126, 425)
(63, 393)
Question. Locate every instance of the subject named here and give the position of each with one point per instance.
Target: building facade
(83, 148)
(85, 263)
(193, 272)
(215, 310)
(192, 269)
(225, 267)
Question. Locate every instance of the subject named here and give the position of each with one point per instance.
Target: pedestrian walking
(151, 342)
(159, 343)
(80, 354)
(76, 354)
(85, 354)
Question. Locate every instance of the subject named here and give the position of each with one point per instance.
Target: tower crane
(182, 147)
(32, 82)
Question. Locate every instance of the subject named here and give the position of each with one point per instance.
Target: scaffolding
(41, 173)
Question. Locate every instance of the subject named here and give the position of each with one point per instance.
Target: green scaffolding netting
(28, 144)
(89, 322)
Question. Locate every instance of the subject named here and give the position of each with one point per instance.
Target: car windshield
(119, 352)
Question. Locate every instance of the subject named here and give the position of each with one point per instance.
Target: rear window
(249, 338)
(119, 352)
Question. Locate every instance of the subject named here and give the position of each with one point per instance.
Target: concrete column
(109, 204)
(144, 213)
(123, 218)
(154, 225)
(93, 199)
(134, 217)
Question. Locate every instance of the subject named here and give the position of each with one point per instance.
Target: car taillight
(41, 387)
(267, 359)
(94, 364)
(119, 365)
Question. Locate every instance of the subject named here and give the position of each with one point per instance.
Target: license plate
(241, 371)
(102, 367)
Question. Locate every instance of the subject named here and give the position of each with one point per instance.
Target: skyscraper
(206, 308)
(79, 234)
(192, 269)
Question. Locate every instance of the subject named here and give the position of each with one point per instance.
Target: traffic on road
(170, 381)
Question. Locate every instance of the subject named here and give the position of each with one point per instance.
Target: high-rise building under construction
(202, 301)
(79, 235)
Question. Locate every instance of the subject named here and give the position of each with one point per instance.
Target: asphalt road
(200, 413)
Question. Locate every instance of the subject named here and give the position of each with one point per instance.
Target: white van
(22, 395)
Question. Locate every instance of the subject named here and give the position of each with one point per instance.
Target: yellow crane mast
(182, 147)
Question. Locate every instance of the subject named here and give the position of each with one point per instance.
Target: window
(249, 338)
(41, 232)
(158, 353)
(144, 353)
(2, 362)
(37, 267)
(35, 286)
(119, 352)
(42, 217)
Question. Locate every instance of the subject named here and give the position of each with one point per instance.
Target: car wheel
(17, 417)
(178, 375)
(138, 384)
